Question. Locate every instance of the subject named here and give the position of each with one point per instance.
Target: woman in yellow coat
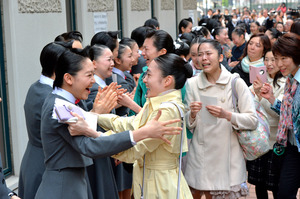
(165, 77)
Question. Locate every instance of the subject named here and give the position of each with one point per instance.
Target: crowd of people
(154, 98)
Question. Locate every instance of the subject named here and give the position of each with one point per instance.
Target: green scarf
(246, 63)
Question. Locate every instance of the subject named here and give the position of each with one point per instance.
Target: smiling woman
(165, 77)
(287, 58)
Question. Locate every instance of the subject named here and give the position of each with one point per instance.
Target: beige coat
(215, 159)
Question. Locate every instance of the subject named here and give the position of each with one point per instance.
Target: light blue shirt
(100, 81)
(46, 80)
(65, 94)
(119, 72)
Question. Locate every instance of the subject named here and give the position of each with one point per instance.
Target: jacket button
(222, 87)
(222, 100)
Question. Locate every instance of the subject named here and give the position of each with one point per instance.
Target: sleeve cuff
(276, 106)
(131, 138)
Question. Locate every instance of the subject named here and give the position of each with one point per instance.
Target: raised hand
(157, 129)
(257, 85)
(195, 108)
(106, 99)
(267, 92)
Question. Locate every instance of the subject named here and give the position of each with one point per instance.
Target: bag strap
(181, 145)
(234, 93)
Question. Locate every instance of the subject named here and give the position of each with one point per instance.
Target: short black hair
(162, 39)
(49, 57)
(139, 34)
(108, 39)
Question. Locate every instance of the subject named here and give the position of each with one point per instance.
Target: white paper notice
(191, 14)
(206, 117)
(100, 22)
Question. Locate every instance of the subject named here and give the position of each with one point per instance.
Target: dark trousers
(290, 174)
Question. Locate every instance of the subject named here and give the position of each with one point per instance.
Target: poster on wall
(100, 22)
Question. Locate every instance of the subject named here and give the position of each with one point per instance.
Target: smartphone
(260, 71)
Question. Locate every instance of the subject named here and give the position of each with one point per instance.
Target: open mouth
(205, 65)
(88, 89)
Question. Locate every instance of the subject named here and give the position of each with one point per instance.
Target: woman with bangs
(215, 162)
(255, 48)
(287, 58)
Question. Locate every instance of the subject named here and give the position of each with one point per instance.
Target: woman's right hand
(195, 108)
(81, 127)
(267, 92)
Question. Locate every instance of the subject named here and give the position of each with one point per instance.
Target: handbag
(254, 143)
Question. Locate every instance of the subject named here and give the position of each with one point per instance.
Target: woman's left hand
(219, 112)
(106, 99)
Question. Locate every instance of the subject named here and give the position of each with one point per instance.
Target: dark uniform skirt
(63, 183)
(265, 170)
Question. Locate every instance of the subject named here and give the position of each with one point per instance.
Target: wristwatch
(11, 194)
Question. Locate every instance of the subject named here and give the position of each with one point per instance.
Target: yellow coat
(161, 159)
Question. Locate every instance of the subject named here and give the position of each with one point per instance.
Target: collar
(170, 95)
(119, 72)
(46, 80)
(297, 76)
(100, 81)
(65, 94)
(223, 79)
